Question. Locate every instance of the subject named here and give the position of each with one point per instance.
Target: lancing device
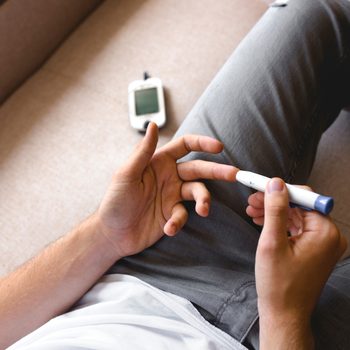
(297, 196)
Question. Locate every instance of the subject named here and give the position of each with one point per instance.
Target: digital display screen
(146, 101)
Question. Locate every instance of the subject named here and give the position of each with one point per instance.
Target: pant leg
(280, 90)
(269, 104)
(331, 319)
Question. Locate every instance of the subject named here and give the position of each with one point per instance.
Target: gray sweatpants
(269, 104)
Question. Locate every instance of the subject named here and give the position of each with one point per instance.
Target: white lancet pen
(297, 196)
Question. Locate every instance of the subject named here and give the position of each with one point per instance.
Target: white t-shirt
(123, 312)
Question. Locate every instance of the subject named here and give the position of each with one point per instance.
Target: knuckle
(266, 247)
(186, 141)
(198, 142)
(217, 172)
(214, 173)
(334, 235)
(331, 234)
(158, 156)
(206, 195)
(146, 152)
(275, 209)
(196, 167)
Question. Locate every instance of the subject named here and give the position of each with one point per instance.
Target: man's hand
(144, 200)
(291, 269)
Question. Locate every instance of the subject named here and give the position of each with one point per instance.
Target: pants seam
(229, 300)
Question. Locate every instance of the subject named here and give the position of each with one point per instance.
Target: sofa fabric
(65, 130)
(30, 32)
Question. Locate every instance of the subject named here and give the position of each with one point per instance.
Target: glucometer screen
(146, 101)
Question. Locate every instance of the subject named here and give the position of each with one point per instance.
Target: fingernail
(173, 228)
(206, 206)
(275, 185)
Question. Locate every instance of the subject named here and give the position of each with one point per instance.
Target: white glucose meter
(146, 103)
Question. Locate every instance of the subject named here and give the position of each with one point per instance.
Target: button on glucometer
(145, 126)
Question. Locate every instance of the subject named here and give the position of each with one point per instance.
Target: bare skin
(290, 270)
(144, 203)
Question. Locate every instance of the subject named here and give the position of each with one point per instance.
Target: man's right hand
(291, 270)
(145, 199)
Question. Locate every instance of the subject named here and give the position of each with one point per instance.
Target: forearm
(281, 333)
(49, 284)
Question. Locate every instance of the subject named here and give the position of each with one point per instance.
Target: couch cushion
(30, 31)
(66, 129)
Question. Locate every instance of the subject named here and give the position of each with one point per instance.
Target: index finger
(192, 143)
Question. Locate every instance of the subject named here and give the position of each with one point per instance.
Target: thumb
(276, 213)
(143, 153)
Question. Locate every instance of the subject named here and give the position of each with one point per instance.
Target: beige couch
(63, 123)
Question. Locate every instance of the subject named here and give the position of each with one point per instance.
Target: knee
(331, 318)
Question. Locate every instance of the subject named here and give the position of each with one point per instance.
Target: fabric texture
(122, 312)
(66, 129)
(280, 90)
(30, 32)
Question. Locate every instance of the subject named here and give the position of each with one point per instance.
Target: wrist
(285, 332)
(93, 233)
